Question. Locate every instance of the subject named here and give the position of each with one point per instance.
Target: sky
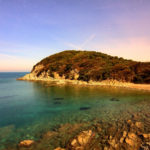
(33, 29)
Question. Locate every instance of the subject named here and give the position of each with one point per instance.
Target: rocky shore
(124, 135)
(61, 81)
(127, 130)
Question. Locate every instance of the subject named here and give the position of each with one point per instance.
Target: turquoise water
(29, 109)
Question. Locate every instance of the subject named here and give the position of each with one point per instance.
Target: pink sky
(32, 30)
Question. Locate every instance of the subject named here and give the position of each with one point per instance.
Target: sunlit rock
(26, 143)
(74, 142)
(139, 125)
(132, 136)
(124, 133)
(59, 148)
(121, 139)
(146, 136)
(132, 139)
(84, 137)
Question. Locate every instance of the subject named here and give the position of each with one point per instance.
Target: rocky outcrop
(97, 136)
(90, 65)
(74, 74)
(39, 74)
(61, 70)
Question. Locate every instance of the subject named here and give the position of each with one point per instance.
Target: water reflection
(40, 107)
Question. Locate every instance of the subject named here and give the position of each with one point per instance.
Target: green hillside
(95, 66)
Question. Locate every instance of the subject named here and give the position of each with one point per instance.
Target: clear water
(28, 109)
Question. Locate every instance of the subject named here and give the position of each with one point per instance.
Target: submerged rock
(59, 98)
(82, 140)
(114, 99)
(84, 108)
(26, 143)
(84, 137)
(49, 134)
(57, 103)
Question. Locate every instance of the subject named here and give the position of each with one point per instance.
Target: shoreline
(62, 81)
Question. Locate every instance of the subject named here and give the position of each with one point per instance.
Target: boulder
(26, 143)
(146, 136)
(131, 139)
(132, 136)
(59, 148)
(49, 134)
(74, 142)
(84, 137)
(81, 141)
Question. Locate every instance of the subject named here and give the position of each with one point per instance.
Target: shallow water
(29, 109)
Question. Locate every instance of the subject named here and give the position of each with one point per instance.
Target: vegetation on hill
(96, 66)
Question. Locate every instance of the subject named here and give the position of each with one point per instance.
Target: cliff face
(87, 66)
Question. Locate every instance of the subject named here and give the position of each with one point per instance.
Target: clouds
(81, 46)
(87, 41)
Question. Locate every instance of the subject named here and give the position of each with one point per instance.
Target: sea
(30, 109)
